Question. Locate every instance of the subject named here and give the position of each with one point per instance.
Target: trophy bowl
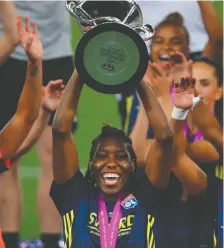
(112, 56)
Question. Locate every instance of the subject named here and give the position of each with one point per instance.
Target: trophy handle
(87, 22)
(70, 5)
(145, 31)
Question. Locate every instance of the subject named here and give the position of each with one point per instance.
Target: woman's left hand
(184, 93)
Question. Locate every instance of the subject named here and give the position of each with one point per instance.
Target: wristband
(179, 113)
(196, 101)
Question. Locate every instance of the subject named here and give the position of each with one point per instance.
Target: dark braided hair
(110, 132)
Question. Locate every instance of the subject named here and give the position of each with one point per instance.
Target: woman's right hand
(157, 79)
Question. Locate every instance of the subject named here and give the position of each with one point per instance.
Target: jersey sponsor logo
(129, 202)
(125, 224)
(125, 227)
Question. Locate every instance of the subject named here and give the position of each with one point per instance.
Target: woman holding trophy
(115, 204)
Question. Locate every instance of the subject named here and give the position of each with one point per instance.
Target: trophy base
(111, 58)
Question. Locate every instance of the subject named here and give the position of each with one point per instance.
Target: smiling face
(206, 82)
(168, 39)
(111, 166)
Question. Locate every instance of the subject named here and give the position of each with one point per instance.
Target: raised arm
(214, 28)
(159, 158)
(201, 151)
(212, 22)
(49, 103)
(191, 176)
(10, 39)
(14, 133)
(138, 135)
(65, 156)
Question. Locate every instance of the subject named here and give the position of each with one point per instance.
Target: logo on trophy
(112, 56)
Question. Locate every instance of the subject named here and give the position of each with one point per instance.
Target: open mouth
(164, 60)
(164, 57)
(110, 178)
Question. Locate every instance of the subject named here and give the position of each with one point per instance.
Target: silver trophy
(112, 56)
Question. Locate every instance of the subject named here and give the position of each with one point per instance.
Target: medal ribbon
(108, 231)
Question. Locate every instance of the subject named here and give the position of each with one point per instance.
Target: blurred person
(207, 70)
(194, 217)
(156, 11)
(29, 102)
(166, 53)
(209, 83)
(206, 203)
(51, 95)
(171, 36)
(49, 102)
(55, 35)
(153, 13)
(18, 127)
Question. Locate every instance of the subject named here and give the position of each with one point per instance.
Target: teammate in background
(154, 12)
(29, 102)
(206, 153)
(208, 121)
(49, 102)
(55, 35)
(207, 203)
(51, 95)
(16, 130)
(199, 228)
(170, 37)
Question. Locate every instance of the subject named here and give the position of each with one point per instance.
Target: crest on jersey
(129, 202)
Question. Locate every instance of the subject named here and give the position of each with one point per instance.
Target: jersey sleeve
(213, 185)
(132, 112)
(69, 195)
(152, 197)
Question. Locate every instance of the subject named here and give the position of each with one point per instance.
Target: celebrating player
(112, 186)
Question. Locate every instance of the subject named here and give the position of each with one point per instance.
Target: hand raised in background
(29, 39)
(52, 94)
(184, 94)
(157, 79)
